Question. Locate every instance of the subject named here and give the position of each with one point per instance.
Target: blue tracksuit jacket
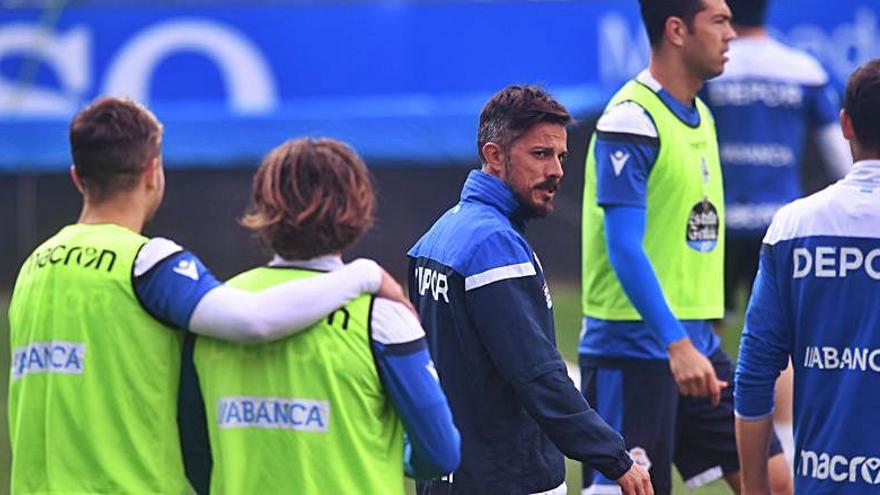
(481, 294)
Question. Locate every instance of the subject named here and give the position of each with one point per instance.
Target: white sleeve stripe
(394, 323)
(627, 118)
(154, 251)
(501, 273)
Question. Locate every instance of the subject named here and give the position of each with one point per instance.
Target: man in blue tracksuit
(483, 300)
(815, 301)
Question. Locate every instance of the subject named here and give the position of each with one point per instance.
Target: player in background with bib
(325, 411)
(815, 302)
(653, 258)
(98, 318)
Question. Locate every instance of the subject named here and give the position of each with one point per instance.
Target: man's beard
(544, 209)
(531, 209)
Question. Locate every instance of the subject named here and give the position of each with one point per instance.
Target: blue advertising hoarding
(400, 81)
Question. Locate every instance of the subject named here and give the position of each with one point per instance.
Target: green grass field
(566, 300)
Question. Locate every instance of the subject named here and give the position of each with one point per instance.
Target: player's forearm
(232, 314)
(573, 426)
(755, 378)
(423, 409)
(624, 230)
(763, 349)
(752, 444)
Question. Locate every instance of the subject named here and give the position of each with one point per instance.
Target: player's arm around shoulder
(175, 287)
(410, 379)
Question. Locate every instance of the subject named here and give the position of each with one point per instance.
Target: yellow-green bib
(304, 415)
(684, 232)
(94, 378)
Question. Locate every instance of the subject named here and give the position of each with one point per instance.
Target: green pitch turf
(566, 305)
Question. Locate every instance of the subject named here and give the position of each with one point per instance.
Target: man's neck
(751, 32)
(861, 155)
(122, 211)
(674, 77)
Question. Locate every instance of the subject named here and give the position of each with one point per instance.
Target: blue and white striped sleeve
(627, 145)
(763, 351)
(506, 302)
(501, 256)
(170, 282)
(409, 378)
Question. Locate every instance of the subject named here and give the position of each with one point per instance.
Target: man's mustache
(549, 185)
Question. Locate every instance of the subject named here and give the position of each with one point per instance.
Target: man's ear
(77, 182)
(493, 159)
(675, 31)
(847, 127)
(152, 172)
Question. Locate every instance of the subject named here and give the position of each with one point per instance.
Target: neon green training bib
(304, 415)
(94, 379)
(684, 232)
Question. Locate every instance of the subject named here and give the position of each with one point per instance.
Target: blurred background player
(483, 299)
(764, 104)
(323, 412)
(768, 98)
(653, 254)
(815, 303)
(98, 318)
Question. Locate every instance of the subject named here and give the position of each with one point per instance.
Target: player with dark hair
(653, 256)
(764, 103)
(815, 302)
(487, 311)
(98, 318)
(323, 411)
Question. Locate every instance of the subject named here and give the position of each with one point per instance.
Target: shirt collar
(481, 187)
(690, 115)
(325, 263)
(865, 173)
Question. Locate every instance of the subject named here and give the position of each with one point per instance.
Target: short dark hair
(514, 110)
(751, 13)
(656, 12)
(310, 198)
(111, 141)
(862, 103)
